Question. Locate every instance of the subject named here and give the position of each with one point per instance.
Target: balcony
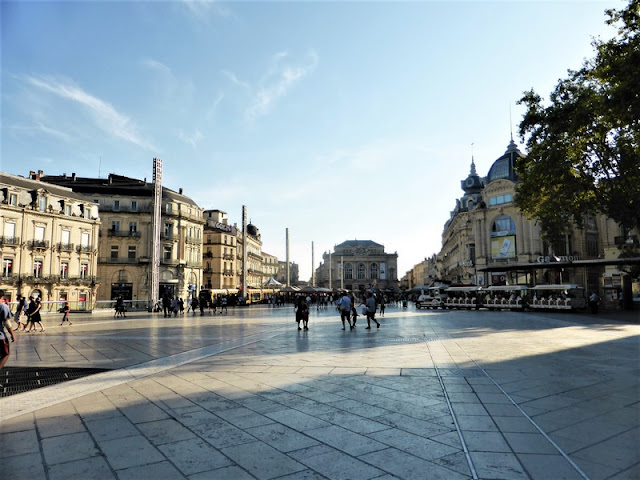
(38, 244)
(122, 209)
(169, 236)
(207, 270)
(170, 261)
(65, 247)
(228, 273)
(118, 260)
(10, 241)
(123, 233)
(194, 263)
(84, 249)
(195, 240)
(227, 256)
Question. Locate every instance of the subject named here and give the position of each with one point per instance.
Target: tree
(584, 148)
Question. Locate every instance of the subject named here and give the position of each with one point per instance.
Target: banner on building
(383, 271)
(503, 247)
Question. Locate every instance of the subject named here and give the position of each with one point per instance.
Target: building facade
(220, 252)
(358, 265)
(293, 273)
(488, 241)
(49, 243)
(125, 243)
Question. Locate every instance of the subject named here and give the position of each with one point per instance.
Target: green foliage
(584, 148)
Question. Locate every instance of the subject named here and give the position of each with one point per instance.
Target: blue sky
(337, 120)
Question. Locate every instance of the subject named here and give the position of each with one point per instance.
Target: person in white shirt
(345, 310)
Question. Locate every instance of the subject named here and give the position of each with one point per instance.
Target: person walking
(594, 302)
(34, 315)
(302, 314)
(6, 331)
(181, 306)
(65, 317)
(20, 317)
(223, 305)
(354, 311)
(382, 305)
(344, 305)
(371, 311)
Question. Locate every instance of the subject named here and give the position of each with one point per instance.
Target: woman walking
(34, 316)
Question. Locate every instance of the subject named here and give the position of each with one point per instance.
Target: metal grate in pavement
(14, 380)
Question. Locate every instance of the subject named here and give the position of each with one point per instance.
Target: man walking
(345, 310)
(371, 310)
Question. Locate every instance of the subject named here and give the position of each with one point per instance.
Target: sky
(337, 120)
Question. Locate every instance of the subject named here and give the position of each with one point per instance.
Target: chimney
(180, 190)
(73, 176)
(40, 174)
(32, 175)
(64, 175)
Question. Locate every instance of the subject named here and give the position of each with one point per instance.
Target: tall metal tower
(156, 222)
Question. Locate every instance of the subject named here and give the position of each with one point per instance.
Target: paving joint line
(531, 420)
(67, 391)
(474, 474)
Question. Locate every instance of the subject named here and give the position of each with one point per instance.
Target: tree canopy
(583, 148)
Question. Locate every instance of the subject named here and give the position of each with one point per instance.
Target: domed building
(488, 241)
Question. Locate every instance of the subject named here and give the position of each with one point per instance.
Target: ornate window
(361, 271)
(348, 271)
(374, 271)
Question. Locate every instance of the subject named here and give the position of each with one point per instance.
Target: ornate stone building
(359, 265)
(49, 242)
(125, 244)
(488, 241)
(221, 256)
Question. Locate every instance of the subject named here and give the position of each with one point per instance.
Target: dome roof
(503, 167)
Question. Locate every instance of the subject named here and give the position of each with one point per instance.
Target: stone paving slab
(428, 395)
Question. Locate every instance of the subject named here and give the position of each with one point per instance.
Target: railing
(123, 233)
(65, 247)
(118, 260)
(146, 208)
(84, 249)
(190, 239)
(227, 256)
(191, 263)
(10, 241)
(227, 272)
(38, 244)
(168, 236)
(169, 261)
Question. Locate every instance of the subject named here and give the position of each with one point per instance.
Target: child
(65, 310)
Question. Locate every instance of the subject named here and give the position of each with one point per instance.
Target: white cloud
(192, 139)
(204, 10)
(278, 82)
(105, 115)
(235, 80)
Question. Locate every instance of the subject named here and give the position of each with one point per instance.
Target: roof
(115, 185)
(358, 243)
(29, 184)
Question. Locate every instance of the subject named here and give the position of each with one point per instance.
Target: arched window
(374, 271)
(361, 271)
(348, 271)
(503, 225)
(503, 238)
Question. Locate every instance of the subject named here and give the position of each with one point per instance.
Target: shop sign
(562, 258)
(224, 227)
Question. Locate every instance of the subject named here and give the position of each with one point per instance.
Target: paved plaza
(429, 395)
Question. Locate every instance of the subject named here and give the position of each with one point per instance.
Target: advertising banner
(383, 271)
(503, 247)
